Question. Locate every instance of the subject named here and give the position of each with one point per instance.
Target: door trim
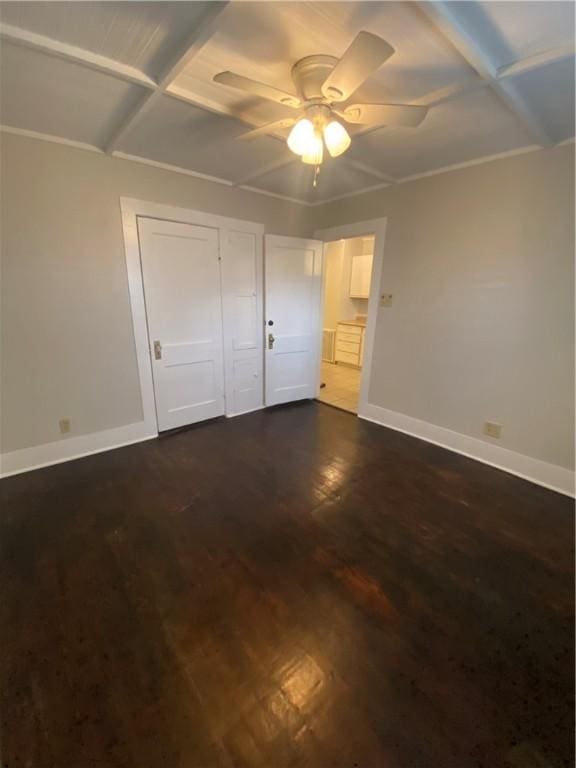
(377, 228)
(131, 208)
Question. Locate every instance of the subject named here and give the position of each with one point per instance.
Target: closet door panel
(241, 254)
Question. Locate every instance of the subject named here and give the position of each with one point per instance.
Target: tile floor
(342, 386)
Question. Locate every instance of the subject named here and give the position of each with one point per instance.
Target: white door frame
(131, 209)
(377, 228)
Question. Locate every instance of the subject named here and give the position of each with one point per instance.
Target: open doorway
(347, 278)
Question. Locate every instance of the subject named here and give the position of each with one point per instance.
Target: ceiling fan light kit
(314, 153)
(301, 136)
(336, 138)
(323, 84)
(310, 133)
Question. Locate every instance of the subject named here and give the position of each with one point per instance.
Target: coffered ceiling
(136, 79)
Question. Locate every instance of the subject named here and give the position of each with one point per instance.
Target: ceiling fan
(324, 85)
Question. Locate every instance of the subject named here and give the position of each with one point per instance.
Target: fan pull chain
(316, 174)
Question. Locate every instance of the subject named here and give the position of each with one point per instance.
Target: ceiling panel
(178, 133)
(263, 40)
(529, 28)
(141, 34)
(296, 180)
(337, 179)
(293, 180)
(549, 93)
(49, 95)
(456, 131)
(242, 106)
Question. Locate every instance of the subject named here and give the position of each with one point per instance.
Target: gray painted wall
(481, 265)
(480, 262)
(67, 341)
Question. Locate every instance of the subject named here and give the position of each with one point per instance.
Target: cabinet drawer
(347, 357)
(353, 330)
(343, 336)
(348, 346)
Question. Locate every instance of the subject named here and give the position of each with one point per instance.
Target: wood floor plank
(290, 588)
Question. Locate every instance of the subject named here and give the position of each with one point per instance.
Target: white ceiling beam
(463, 88)
(278, 164)
(264, 169)
(78, 55)
(440, 13)
(201, 33)
(181, 94)
(537, 60)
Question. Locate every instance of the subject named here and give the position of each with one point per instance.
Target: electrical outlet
(492, 428)
(64, 426)
(386, 300)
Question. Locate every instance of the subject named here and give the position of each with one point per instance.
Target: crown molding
(145, 161)
(298, 201)
(475, 161)
(447, 169)
(50, 138)
(275, 194)
(364, 190)
(169, 167)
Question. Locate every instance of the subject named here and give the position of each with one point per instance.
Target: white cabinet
(349, 344)
(360, 275)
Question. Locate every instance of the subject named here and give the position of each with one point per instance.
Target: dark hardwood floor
(293, 588)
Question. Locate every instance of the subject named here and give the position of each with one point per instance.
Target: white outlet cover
(492, 429)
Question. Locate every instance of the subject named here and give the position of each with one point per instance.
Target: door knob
(157, 350)
(270, 341)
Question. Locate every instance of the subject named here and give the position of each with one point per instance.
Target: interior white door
(293, 303)
(181, 275)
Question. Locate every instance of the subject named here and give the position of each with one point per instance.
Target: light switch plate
(386, 300)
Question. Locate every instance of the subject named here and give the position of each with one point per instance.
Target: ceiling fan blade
(363, 57)
(268, 128)
(258, 89)
(405, 115)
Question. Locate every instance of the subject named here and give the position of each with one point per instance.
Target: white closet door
(181, 274)
(293, 299)
(243, 335)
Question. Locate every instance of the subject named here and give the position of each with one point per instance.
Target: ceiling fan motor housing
(310, 73)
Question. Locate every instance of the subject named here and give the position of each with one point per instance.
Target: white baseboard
(243, 413)
(67, 449)
(550, 476)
